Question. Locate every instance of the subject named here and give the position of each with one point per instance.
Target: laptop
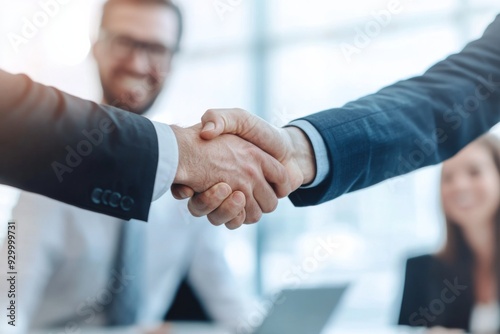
(302, 311)
(299, 311)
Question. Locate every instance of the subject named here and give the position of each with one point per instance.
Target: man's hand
(256, 177)
(289, 145)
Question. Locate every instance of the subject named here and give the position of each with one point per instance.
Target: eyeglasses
(123, 47)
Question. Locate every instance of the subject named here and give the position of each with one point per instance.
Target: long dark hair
(456, 252)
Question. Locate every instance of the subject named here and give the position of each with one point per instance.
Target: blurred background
(283, 59)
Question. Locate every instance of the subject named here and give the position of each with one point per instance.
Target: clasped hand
(234, 166)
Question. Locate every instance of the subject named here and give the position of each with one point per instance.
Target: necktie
(124, 308)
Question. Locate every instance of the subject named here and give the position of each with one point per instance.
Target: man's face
(134, 54)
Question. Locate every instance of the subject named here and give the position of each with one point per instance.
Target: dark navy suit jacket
(411, 124)
(436, 294)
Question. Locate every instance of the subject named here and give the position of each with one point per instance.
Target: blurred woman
(459, 286)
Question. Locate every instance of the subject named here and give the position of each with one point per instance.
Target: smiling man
(72, 257)
(134, 51)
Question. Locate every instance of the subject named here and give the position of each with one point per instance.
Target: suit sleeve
(91, 156)
(411, 124)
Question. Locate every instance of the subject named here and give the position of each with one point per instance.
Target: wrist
(182, 173)
(303, 153)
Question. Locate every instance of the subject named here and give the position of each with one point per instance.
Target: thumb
(244, 125)
(214, 124)
(180, 191)
(235, 121)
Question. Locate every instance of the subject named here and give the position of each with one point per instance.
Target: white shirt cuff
(168, 159)
(320, 151)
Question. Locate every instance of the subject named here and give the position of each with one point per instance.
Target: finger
(230, 121)
(202, 204)
(265, 196)
(252, 210)
(212, 129)
(236, 222)
(243, 124)
(180, 191)
(275, 174)
(214, 124)
(229, 209)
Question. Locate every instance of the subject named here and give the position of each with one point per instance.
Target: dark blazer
(411, 124)
(435, 294)
(95, 157)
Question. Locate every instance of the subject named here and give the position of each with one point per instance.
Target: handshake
(234, 166)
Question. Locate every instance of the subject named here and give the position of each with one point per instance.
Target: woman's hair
(456, 250)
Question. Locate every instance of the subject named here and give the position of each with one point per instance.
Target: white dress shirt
(168, 159)
(66, 254)
(319, 148)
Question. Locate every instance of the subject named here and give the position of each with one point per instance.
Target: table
(197, 328)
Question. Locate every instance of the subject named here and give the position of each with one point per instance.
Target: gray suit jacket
(95, 157)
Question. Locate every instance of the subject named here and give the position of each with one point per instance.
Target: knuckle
(254, 217)
(253, 173)
(194, 212)
(241, 217)
(209, 113)
(271, 206)
(253, 151)
(210, 195)
(279, 171)
(199, 204)
(231, 213)
(283, 189)
(237, 207)
(282, 171)
(214, 220)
